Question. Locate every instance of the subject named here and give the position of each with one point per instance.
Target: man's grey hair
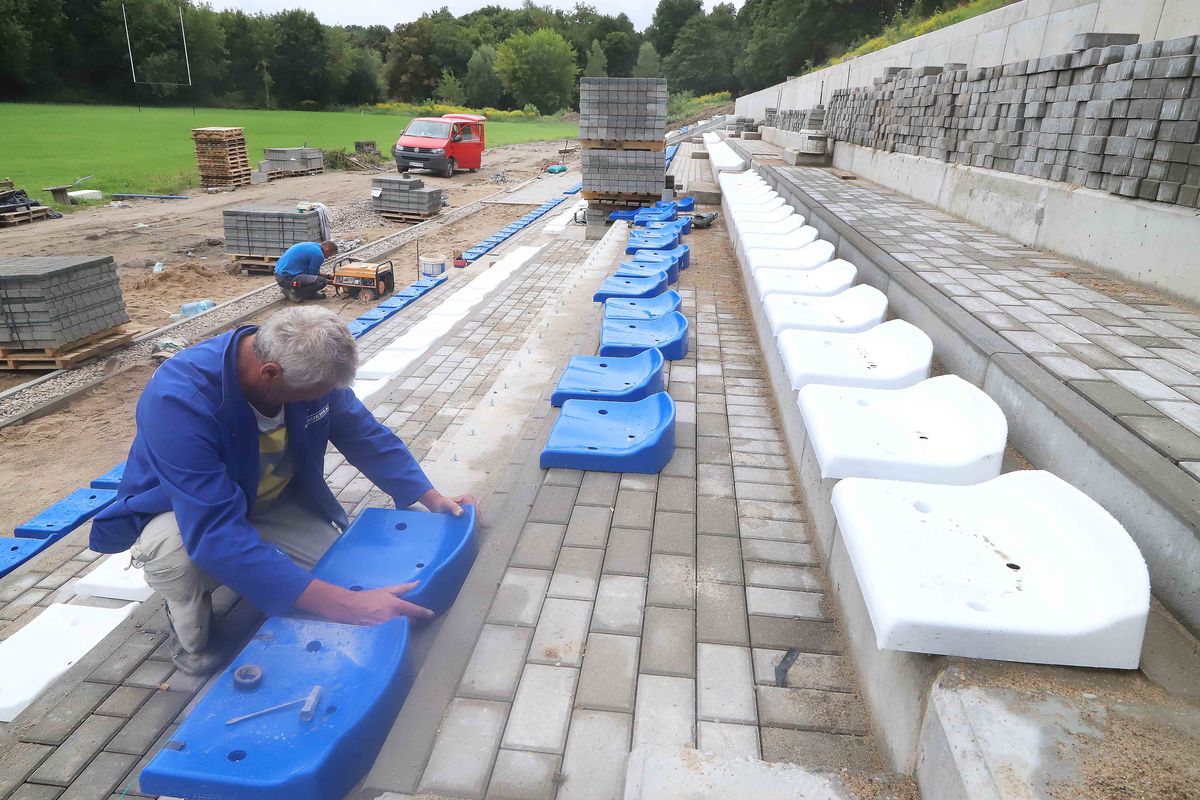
(312, 345)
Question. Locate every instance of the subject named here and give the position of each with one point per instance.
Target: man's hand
(369, 607)
(438, 503)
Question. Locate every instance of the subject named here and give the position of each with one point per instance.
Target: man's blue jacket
(302, 258)
(196, 453)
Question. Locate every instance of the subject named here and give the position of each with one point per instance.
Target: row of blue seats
(493, 241)
(615, 413)
(368, 320)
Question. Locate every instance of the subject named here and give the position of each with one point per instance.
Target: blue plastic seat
(396, 302)
(632, 286)
(645, 216)
(613, 437)
(361, 327)
(67, 514)
(642, 307)
(641, 269)
(682, 253)
(683, 225)
(610, 378)
(627, 337)
(622, 214)
(685, 203)
(651, 240)
(14, 552)
(110, 479)
(430, 281)
(365, 674)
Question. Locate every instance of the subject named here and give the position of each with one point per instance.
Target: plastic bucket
(433, 265)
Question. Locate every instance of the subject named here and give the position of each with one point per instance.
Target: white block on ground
(828, 279)
(892, 355)
(37, 654)
(852, 311)
(1024, 567)
(661, 773)
(810, 256)
(115, 579)
(942, 430)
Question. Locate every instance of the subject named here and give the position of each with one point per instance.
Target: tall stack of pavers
(221, 156)
(1112, 115)
(52, 301)
(284, 161)
(266, 230)
(622, 129)
(404, 196)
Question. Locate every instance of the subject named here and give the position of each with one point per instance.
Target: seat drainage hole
(236, 755)
(356, 588)
(633, 326)
(922, 506)
(1012, 566)
(14, 548)
(591, 448)
(602, 412)
(603, 365)
(631, 436)
(313, 646)
(401, 526)
(420, 564)
(922, 437)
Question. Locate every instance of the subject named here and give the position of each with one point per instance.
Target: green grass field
(151, 151)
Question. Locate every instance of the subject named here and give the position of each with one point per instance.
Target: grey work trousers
(187, 588)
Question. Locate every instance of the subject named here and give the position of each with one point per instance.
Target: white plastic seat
(1024, 567)
(779, 214)
(765, 203)
(941, 430)
(812, 255)
(831, 278)
(856, 309)
(790, 223)
(794, 240)
(892, 355)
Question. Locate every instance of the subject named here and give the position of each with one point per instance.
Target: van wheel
(401, 170)
(449, 171)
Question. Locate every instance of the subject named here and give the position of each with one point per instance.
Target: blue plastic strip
(110, 479)
(613, 437)
(359, 327)
(15, 552)
(67, 514)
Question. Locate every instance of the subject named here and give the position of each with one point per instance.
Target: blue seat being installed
(641, 269)
(610, 378)
(681, 254)
(14, 552)
(631, 286)
(66, 515)
(110, 479)
(627, 337)
(319, 750)
(642, 307)
(651, 240)
(613, 437)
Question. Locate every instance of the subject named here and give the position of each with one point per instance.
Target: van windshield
(429, 128)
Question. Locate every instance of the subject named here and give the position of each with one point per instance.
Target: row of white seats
(952, 558)
(721, 157)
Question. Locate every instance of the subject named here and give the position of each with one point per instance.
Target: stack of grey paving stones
(51, 301)
(404, 194)
(1113, 115)
(624, 110)
(291, 159)
(263, 230)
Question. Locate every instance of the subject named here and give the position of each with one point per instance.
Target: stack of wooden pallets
(221, 156)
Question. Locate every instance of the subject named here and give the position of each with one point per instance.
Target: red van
(441, 144)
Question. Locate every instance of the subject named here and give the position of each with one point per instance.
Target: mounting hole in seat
(356, 588)
(922, 437)
(633, 326)
(594, 391)
(14, 548)
(236, 755)
(313, 646)
(420, 564)
(631, 436)
(922, 506)
(591, 448)
(604, 365)
(401, 526)
(91, 497)
(977, 606)
(1012, 566)
(627, 383)
(602, 412)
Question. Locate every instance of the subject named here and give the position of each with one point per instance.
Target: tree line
(76, 51)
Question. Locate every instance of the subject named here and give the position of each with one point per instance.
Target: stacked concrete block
(264, 230)
(291, 159)
(1123, 118)
(623, 171)
(51, 301)
(404, 194)
(623, 109)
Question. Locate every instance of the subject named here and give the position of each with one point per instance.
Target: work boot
(199, 664)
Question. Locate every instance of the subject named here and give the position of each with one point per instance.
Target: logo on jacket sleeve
(313, 419)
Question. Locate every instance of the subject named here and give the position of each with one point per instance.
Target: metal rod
(128, 43)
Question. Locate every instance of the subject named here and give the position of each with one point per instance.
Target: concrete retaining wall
(1023, 30)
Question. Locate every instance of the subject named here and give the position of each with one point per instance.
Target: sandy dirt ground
(50, 457)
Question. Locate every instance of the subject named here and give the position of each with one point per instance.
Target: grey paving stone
(1185, 413)
(665, 713)
(634, 509)
(1165, 435)
(674, 533)
(58, 723)
(519, 598)
(810, 636)
(577, 573)
(588, 526)
(767, 509)
(808, 671)
(124, 701)
(682, 463)
(150, 674)
(817, 750)
(70, 758)
(16, 585)
(101, 776)
(716, 515)
(496, 663)
(619, 605)
(725, 684)
(538, 546)
(676, 494)
(672, 581)
(728, 740)
(783, 576)
(628, 552)
(562, 477)
(713, 450)
(811, 709)
(127, 658)
(462, 754)
(522, 775)
(150, 720)
(715, 480)
(1142, 385)
(779, 552)
(777, 477)
(17, 761)
(721, 613)
(598, 489)
(594, 763)
(1115, 400)
(553, 504)
(761, 461)
(638, 482)
(561, 631)
(669, 642)
(35, 791)
(541, 711)
(608, 679)
(718, 559)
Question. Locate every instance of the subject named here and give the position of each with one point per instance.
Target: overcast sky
(373, 12)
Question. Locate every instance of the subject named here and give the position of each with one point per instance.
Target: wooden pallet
(10, 218)
(620, 144)
(255, 265)
(620, 199)
(272, 176)
(68, 355)
(406, 216)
